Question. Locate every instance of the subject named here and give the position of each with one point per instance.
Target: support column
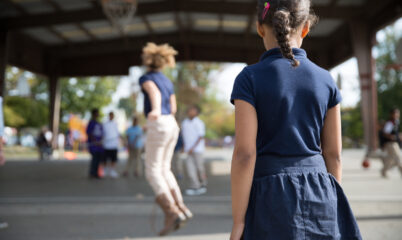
(54, 104)
(362, 39)
(3, 61)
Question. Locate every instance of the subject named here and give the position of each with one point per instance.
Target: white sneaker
(113, 173)
(3, 225)
(191, 192)
(202, 190)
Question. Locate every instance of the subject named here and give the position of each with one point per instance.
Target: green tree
(20, 112)
(389, 80)
(80, 95)
(129, 105)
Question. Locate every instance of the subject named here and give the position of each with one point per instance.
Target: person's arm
(155, 97)
(331, 142)
(243, 163)
(173, 104)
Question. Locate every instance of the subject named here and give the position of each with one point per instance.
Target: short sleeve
(143, 79)
(243, 88)
(201, 128)
(388, 128)
(335, 96)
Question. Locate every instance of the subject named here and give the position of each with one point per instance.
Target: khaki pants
(134, 159)
(196, 170)
(161, 139)
(393, 157)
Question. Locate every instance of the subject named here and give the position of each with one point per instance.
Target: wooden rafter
(96, 13)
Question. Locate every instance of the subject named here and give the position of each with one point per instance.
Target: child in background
(135, 145)
(193, 132)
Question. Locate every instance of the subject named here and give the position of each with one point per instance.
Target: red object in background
(366, 163)
(100, 172)
(70, 155)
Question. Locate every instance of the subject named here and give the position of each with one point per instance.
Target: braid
(285, 17)
(282, 30)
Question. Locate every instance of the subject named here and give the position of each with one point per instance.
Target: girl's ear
(306, 29)
(260, 29)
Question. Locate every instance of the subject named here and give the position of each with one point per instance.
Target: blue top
(95, 134)
(291, 103)
(134, 136)
(165, 87)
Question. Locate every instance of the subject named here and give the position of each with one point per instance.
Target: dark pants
(94, 165)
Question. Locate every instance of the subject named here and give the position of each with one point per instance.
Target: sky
(223, 81)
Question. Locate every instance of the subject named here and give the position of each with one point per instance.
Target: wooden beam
(88, 33)
(3, 61)
(54, 106)
(26, 52)
(362, 40)
(197, 6)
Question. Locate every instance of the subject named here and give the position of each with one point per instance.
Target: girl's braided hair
(285, 16)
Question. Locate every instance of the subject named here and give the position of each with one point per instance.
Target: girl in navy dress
(286, 165)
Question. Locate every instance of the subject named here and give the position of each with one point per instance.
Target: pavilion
(60, 38)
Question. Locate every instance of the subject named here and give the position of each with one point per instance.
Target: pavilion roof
(74, 37)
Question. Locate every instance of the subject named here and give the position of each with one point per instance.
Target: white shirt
(110, 135)
(388, 127)
(192, 130)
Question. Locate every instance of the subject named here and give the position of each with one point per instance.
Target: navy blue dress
(292, 196)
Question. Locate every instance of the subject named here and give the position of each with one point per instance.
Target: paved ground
(55, 201)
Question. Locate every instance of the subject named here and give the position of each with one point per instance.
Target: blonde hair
(156, 57)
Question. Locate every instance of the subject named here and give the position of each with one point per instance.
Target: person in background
(193, 132)
(162, 133)
(177, 160)
(3, 225)
(392, 141)
(135, 145)
(111, 138)
(44, 145)
(95, 134)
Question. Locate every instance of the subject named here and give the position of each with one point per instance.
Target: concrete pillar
(54, 105)
(3, 61)
(363, 39)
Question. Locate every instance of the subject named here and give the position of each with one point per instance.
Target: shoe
(182, 207)
(191, 192)
(202, 190)
(3, 225)
(113, 173)
(384, 173)
(173, 217)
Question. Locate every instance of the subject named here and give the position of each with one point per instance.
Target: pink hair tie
(266, 7)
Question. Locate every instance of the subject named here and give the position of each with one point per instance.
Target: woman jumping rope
(286, 166)
(162, 134)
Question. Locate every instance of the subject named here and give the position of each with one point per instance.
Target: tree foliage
(389, 80)
(80, 95)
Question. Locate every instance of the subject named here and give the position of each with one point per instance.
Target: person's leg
(388, 159)
(200, 164)
(113, 161)
(168, 174)
(137, 162)
(129, 162)
(192, 173)
(167, 158)
(94, 164)
(154, 157)
(155, 144)
(396, 152)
